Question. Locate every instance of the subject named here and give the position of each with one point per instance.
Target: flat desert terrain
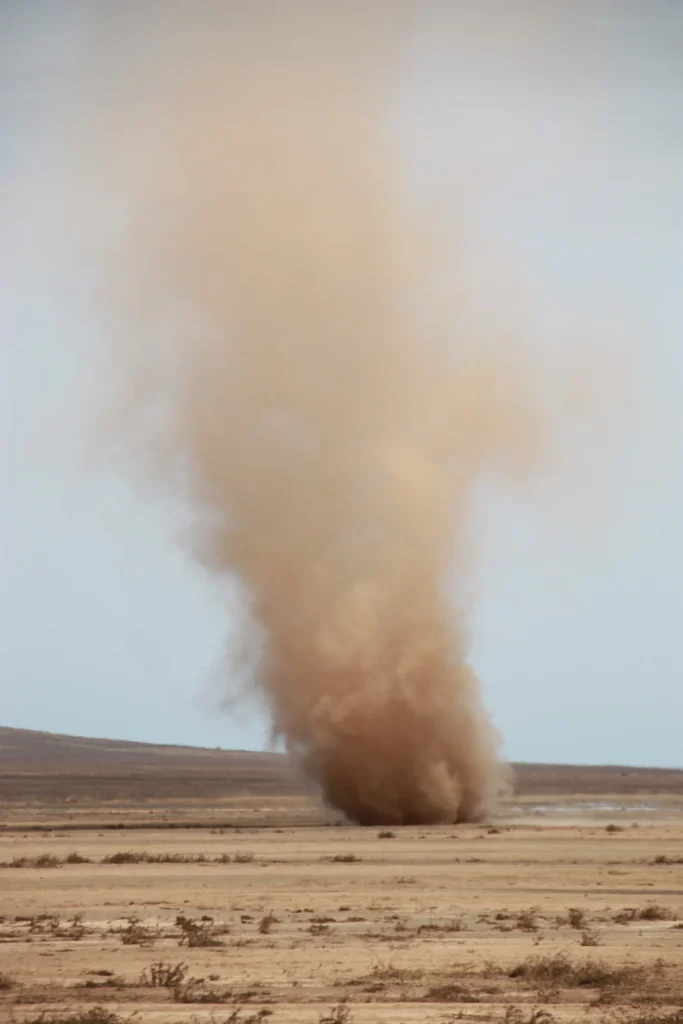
(178, 885)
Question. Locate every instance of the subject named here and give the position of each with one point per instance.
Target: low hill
(40, 765)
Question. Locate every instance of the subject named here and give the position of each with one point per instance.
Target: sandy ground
(571, 908)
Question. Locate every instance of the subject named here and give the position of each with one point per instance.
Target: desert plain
(166, 884)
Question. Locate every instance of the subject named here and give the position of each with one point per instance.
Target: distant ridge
(33, 762)
(27, 746)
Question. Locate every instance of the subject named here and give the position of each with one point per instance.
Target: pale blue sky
(576, 130)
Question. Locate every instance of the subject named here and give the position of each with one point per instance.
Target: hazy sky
(573, 131)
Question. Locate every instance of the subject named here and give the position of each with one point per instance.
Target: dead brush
(267, 922)
(576, 918)
(135, 933)
(655, 1015)
(43, 924)
(651, 985)
(114, 981)
(455, 925)
(6, 983)
(74, 930)
(143, 857)
(199, 933)
(95, 1015)
(339, 1014)
(450, 993)
(559, 971)
(195, 990)
(252, 1018)
(648, 912)
(515, 1015)
(654, 912)
(126, 857)
(45, 860)
(164, 975)
(526, 920)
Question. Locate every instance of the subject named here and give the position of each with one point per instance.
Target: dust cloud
(328, 408)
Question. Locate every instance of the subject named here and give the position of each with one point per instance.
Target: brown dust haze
(329, 411)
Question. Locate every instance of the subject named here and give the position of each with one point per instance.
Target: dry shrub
(623, 917)
(654, 912)
(339, 1014)
(199, 933)
(44, 923)
(115, 981)
(318, 929)
(514, 1015)
(126, 857)
(450, 994)
(559, 970)
(95, 1015)
(455, 925)
(648, 912)
(576, 917)
(164, 975)
(267, 923)
(142, 857)
(45, 860)
(252, 1018)
(135, 933)
(526, 920)
(194, 990)
(655, 1015)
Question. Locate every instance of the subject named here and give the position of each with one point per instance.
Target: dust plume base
(333, 427)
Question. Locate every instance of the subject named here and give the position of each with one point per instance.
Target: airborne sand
(330, 416)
